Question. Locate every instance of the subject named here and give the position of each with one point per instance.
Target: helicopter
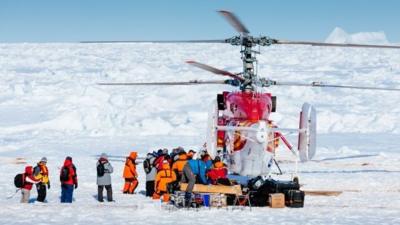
(239, 128)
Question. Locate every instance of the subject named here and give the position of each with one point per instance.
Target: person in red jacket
(218, 173)
(29, 180)
(69, 180)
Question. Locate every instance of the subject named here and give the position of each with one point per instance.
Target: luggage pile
(274, 193)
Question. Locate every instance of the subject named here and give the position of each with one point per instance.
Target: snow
(338, 35)
(51, 105)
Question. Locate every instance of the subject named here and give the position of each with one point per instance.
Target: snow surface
(51, 106)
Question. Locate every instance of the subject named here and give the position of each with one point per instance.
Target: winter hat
(68, 158)
(192, 151)
(165, 165)
(43, 159)
(104, 155)
(165, 151)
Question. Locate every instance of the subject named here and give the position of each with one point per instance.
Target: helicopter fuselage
(245, 152)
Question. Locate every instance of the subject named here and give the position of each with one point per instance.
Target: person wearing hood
(130, 175)
(104, 170)
(41, 172)
(164, 177)
(29, 180)
(69, 180)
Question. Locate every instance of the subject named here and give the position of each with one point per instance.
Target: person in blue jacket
(194, 171)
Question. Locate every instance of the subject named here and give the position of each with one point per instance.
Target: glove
(48, 185)
(76, 185)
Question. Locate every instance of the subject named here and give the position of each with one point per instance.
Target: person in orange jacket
(130, 174)
(178, 165)
(163, 178)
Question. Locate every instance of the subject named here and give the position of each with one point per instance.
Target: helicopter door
(307, 134)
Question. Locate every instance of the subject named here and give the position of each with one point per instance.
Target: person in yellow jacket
(163, 178)
(41, 173)
(130, 174)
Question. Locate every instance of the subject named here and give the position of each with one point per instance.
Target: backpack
(19, 180)
(64, 176)
(100, 169)
(147, 165)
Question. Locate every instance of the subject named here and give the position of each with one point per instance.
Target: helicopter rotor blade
(319, 84)
(234, 21)
(214, 70)
(158, 41)
(172, 83)
(332, 44)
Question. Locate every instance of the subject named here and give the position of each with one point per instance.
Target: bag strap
(166, 176)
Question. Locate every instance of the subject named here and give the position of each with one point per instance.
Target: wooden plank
(201, 188)
(323, 193)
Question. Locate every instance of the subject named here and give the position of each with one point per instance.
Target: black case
(294, 198)
(276, 186)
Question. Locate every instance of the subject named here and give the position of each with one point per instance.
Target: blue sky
(79, 20)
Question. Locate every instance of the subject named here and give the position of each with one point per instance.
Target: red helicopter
(240, 130)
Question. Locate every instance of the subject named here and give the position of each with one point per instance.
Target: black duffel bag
(277, 186)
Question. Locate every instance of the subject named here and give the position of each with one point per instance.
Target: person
(194, 171)
(178, 165)
(69, 180)
(151, 172)
(41, 172)
(164, 177)
(29, 180)
(162, 154)
(130, 175)
(218, 173)
(104, 171)
(190, 154)
(206, 158)
(175, 153)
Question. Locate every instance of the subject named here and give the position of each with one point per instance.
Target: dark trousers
(100, 189)
(150, 188)
(67, 191)
(41, 190)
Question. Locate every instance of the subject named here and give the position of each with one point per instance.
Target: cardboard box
(277, 200)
